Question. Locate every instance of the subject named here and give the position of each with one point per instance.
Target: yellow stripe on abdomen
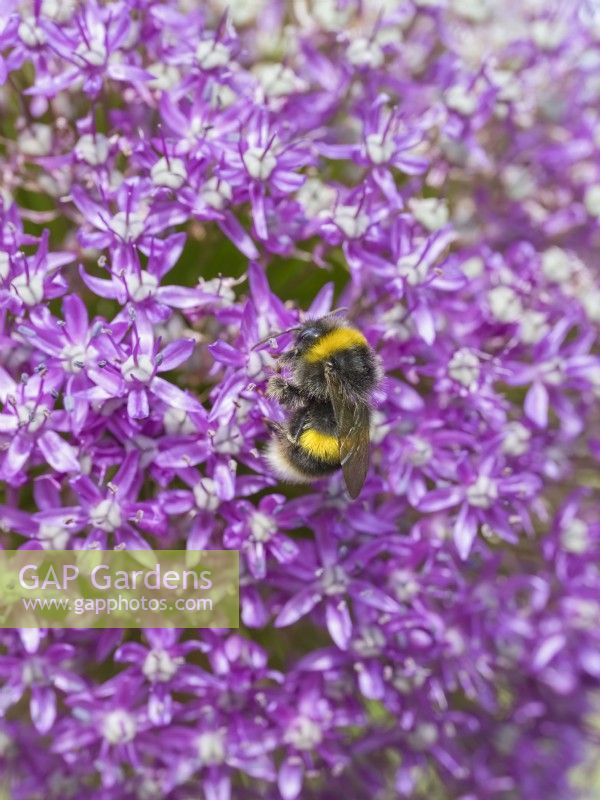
(320, 445)
(332, 342)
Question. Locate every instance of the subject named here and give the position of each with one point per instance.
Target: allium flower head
(184, 184)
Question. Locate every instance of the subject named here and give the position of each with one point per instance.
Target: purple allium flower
(182, 185)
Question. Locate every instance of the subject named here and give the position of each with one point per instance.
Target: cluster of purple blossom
(433, 166)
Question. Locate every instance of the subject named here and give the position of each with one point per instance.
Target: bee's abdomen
(320, 446)
(297, 463)
(311, 448)
(317, 449)
(315, 454)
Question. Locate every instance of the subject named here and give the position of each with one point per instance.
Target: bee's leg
(279, 430)
(285, 393)
(287, 358)
(275, 427)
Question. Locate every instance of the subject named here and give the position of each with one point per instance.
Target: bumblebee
(334, 372)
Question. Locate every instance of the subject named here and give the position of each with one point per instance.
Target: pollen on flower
(505, 304)
(73, 357)
(106, 515)
(332, 15)
(575, 536)
(129, 225)
(138, 368)
(483, 492)
(29, 289)
(403, 584)
(518, 182)
(370, 642)
(455, 642)
(533, 325)
(169, 172)
(431, 212)
(424, 735)
(93, 53)
(547, 33)
(211, 54)
(590, 300)
(33, 671)
(592, 200)
(166, 76)
(118, 727)
(211, 747)
(475, 10)
(464, 368)
(473, 267)
(159, 666)
(31, 33)
(516, 439)
(557, 264)
(304, 733)
(205, 494)
(278, 80)
(315, 196)
(420, 452)
(242, 12)
(140, 285)
(410, 677)
(6, 744)
(378, 148)
(259, 163)
(262, 526)
(228, 441)
(334, 580)
(4, 265)
(222, 96)
(216, 193)
(31, 415)
(363, 52)
(53, 535)
(553, 371)
(351, 221)
(177, 420)
(36, 140)
(92, 148)
(460, 99)
(58, 10)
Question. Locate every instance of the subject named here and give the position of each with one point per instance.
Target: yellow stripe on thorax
(337, 339)
(320, 445)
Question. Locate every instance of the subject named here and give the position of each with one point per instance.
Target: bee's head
(312, 330)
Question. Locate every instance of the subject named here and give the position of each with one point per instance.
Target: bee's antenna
(274, 335)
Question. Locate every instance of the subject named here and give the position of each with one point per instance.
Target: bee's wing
(353, 433)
